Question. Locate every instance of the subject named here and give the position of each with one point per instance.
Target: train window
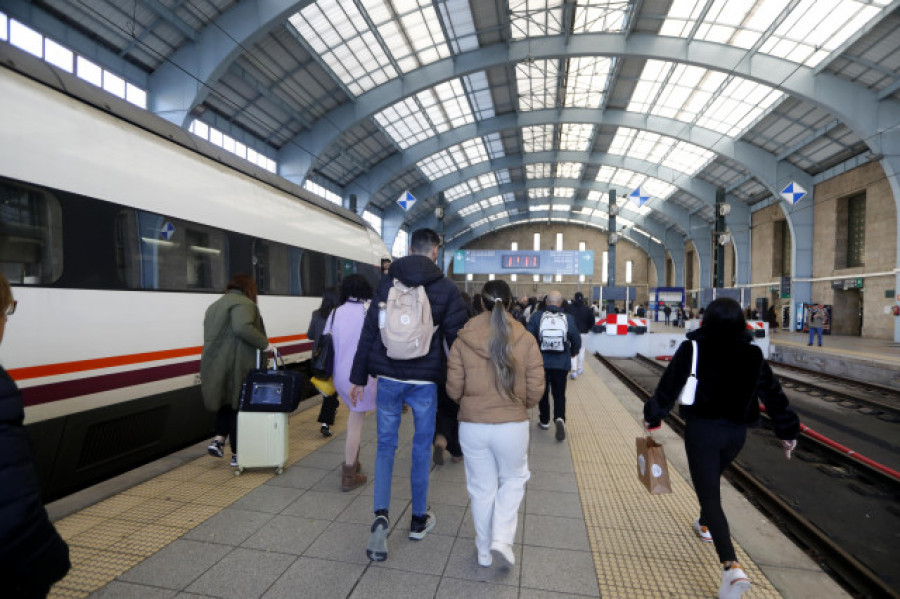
(157, 252)
(277, 268)
(30, 235)
(315, 274)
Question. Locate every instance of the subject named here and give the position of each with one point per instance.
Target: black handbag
(323, 354)
(276, 390)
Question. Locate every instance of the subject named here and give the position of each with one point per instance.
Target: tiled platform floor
(587, 527)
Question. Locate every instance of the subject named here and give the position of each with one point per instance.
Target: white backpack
(408, 325)
(553, 332)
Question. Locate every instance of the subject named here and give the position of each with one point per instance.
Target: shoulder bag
(686, 397)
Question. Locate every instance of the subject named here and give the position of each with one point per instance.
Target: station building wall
(879, 259)
(643, 270)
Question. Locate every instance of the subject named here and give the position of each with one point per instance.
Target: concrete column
(890, 148)
(739, 220)
(391, 221)
(675, 246)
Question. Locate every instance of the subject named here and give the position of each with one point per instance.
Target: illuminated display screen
(519, 261)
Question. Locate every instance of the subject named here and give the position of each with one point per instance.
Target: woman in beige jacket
(496, 373)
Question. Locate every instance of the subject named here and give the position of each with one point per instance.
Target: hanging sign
(637, 196)
(793, 193)
(406, 200)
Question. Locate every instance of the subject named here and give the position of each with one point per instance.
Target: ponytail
(499, 348)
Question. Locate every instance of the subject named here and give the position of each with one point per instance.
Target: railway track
(852, 536)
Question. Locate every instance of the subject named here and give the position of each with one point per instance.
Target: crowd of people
(469, 370)
(476, 367)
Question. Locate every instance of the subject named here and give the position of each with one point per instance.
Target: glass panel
(805, 32)
(277, 268)
(537, 138)
(856, 231)
(537, 82)
(58, 56)
(643, 145)
(26, 38)
(374, 220)
(88, 71)
(575, 137)
(586, 80)
(533, 18)
(426, 114)
(157, 252)
(4, 27)
(114, 84)
(30, 235)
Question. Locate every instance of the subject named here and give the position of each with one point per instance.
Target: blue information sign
(538, 262)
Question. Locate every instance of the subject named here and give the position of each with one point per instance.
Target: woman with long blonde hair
(496, 373)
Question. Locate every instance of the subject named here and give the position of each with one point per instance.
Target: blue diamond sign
(406, 200)
(637, 196)
(167, 230)
(793, 193)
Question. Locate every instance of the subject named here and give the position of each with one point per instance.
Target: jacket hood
(702, 334)
(415, 270)
(477, 333)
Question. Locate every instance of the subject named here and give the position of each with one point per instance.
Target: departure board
(537, 262)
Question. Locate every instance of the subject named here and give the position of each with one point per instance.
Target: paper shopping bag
(652, 467)
(323, 386)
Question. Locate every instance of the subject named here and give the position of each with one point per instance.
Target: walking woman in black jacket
(731, 374)
(32, 554)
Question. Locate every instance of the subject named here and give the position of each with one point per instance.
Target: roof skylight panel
(456, 192)
(457, 17)
(479, 91)
(563, 192)
(540, 170)
(575, 137)
(537, 138)
(426, 114)
(537, 84)
(600, 15)
(482, 182)
(538, 192)
(494, 146)
(339, 34)
(709, 98)
(539, 208)
(417, 38)
(569, 170)
(561, 207)
(807, 34)
(437, 165)
(469, 210)
(679, 155)
(688, 158)
(493, 201)
(586, 80)
(534, 18)
(502, 177)
(469, 152)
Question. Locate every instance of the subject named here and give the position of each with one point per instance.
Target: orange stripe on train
(33, 372)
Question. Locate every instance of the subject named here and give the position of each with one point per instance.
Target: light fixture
(614, 210)
(613, 238)
(724, 238)
(439, 212)
(724, 209)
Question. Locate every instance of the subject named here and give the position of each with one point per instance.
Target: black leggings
(556, 382)
(226, 426)
(711, 446)
(328, 409)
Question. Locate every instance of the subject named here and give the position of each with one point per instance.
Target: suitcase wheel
(238, 471)
(279, 470)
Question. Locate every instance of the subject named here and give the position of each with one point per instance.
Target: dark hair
(578, 297)
(724, 319)
(422, 241)
(331, 299)
(245, 284)
(6, 295)
(477, 305)
(497, 298)
(357, 286)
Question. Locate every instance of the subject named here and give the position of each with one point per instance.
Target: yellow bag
(325, 386)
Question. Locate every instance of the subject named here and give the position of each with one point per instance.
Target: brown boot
(350, 478)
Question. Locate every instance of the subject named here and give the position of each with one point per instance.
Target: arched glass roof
(512, 110)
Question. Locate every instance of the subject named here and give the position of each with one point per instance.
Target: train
(117, 230)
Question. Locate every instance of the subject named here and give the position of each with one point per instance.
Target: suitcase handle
(277, 356)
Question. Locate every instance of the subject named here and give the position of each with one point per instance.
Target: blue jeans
(812, 332)
(422, 400)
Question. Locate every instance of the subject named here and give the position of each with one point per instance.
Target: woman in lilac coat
(345, 330)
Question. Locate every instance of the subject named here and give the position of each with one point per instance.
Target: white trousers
(578, 361)
(496, 473)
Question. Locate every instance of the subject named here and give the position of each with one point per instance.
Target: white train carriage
(116, 238)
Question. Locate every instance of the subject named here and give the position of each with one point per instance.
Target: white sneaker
(505, 552)
(544, 425)
(734, 583)
(573, 375)
(560, 429)
(580, 371)
(485, 560)
(702, 532)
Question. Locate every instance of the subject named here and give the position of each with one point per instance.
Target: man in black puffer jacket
(32, 554)
(584, 320)
(412, 381)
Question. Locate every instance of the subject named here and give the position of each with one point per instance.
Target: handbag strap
(694, 359)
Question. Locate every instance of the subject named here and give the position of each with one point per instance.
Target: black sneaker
(376, 549)
(544, 425)
(420, 525)
(215, 449)
(234, 462)
(325, 430)
(560, 429)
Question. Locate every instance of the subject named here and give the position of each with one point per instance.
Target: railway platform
(185, 526)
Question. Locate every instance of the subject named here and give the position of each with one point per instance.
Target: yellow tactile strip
(642, 544)
(116, 534)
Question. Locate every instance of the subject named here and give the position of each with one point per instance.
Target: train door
(847, 312)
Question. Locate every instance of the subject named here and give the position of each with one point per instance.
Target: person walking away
(410, 380)
(772, 317)
(331, 298)
(345, 327)
(233, 331)
(816, 320)
(667, 311)
(558, 339)
(731, 374)
(495, 372)
(583, 316)
(32, 554)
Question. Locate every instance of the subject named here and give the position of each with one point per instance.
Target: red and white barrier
(617, 324)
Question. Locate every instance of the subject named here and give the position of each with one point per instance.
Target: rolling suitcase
(267, 399)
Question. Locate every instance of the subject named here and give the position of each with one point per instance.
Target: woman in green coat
(233, 331)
